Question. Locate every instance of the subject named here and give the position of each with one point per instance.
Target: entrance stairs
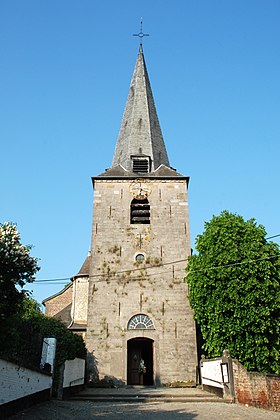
(144, 394)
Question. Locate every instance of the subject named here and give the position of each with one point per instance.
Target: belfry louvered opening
(140, 211)
(140, 165)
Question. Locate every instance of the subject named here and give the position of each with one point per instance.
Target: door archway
(140, 361)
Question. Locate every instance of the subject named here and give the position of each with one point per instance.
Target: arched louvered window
(140, 211)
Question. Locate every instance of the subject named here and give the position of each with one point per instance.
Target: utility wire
(270, 257)
(113, 276)
(56, 280)
(275, 236)
(120, 272)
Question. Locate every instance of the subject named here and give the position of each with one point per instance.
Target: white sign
(211, 373)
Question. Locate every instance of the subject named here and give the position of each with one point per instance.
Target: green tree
(17, 268)
(30, 308)
(22, 343)
(234, 291)
(33, 327)
(22, 324)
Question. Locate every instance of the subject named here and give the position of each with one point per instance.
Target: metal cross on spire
(141, 33)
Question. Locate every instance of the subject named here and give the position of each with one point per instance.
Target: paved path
(84, 410)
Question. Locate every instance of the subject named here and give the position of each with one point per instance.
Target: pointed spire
(140, 134)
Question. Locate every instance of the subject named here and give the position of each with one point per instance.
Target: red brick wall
(256, 389)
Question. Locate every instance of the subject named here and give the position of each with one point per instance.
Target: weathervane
(141, 33)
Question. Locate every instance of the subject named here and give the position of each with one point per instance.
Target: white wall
(17, 382)
(74, 373)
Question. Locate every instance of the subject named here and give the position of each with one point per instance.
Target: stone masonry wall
(120, 287)
(80, 300)
(256, 389)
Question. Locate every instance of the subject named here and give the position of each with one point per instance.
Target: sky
(65, 72)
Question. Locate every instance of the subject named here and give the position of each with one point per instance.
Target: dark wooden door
(134, 357)
(140, 350)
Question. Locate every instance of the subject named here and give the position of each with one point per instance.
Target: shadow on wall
(93, 379)
(92, 375)
(157, 380)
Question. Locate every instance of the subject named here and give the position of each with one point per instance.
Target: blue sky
(65, 71)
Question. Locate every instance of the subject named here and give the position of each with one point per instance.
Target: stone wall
(256, 389)
(80, 300)
(120, 287)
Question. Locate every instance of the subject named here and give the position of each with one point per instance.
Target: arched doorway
(140, 354)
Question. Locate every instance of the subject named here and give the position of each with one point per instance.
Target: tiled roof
(58, 293)
(118, 172)
(78, 327)
(84, 270)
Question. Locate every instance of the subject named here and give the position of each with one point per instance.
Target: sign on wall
(211, 373)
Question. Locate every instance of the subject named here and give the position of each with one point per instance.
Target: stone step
(135, 400)
(143, 398)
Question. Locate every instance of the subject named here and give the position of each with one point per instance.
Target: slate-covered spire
(140, 146)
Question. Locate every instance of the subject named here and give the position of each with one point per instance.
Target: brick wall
(256, 389)
(59, 305)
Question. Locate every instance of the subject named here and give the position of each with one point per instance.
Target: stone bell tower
(140, 327)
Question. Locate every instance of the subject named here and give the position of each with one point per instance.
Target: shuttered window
(140, 211)
(141, 165)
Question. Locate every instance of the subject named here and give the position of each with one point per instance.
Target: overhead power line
(275, 236)
(119, 272)
(113, 276)
(57, 280)
(270, 257)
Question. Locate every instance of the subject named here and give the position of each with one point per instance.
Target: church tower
(140, 327)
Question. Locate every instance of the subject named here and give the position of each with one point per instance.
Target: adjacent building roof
(78, 327)
(57, 294)
(84, 270)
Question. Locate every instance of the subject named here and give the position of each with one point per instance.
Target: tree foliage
(234, 291)
(22, 343)
(17, 268)
(22, 324)
(69, 345)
